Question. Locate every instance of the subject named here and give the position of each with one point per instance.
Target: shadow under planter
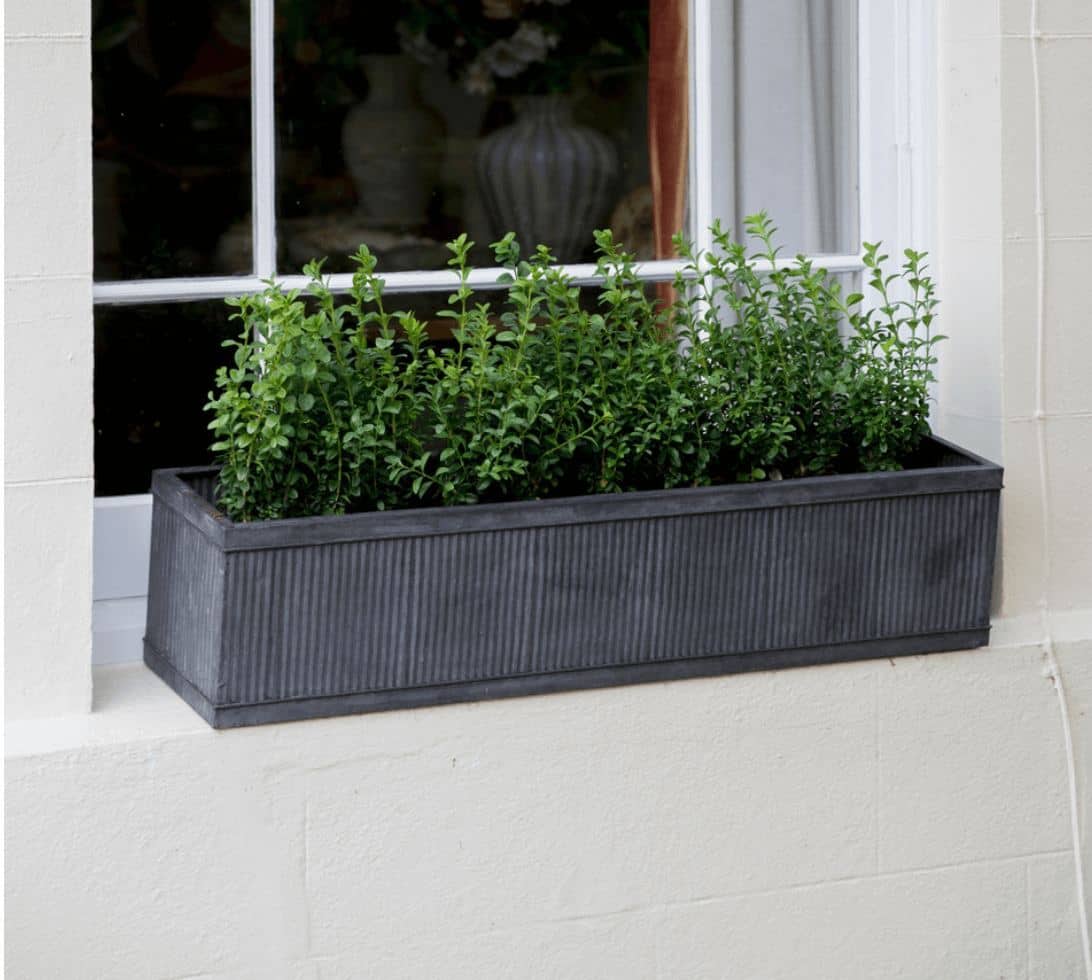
(303, 618)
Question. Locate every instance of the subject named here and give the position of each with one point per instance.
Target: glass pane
(154, 368)
(785, 135)
(155, 365)
(171, 90)
(403, 124)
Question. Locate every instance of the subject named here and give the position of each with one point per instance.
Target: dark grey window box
(281, 620)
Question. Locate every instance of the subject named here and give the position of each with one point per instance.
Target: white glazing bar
(701, 121)
(903, 147)
(865, 149)
(921, 27)
(183, 290)
(173, 290)
(263, 141)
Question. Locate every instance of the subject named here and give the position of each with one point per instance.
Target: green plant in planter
(332, 407)
(770, 350)
(791, 396)
(318, 399)
(891, 353)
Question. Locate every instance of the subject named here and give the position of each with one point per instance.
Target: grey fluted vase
(547, 178)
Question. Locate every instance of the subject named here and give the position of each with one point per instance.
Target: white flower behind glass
(418, 46)
(511, 56)
(524, 42)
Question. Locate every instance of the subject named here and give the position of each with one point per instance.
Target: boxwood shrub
(341, 404)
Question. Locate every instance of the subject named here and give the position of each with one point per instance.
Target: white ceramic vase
(393, 145)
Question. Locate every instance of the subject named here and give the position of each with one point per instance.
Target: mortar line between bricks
(877, 779)
(928, 869)
(1027, 920)
(800, 887)
(194, 976)
(757, 893)
(305, 871)
(1045, 36)
(50, 481)
(65, 37)
(47, 277)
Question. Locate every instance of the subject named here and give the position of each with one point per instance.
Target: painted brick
(48, 377)
(1069, 481)
(1075, 663)
(1065, 72)
(959, 922)
(47, 602)
(971, 760)
(1017, 328)
(25, 18)
(683, 791)
(621, 947)
(1055, 16)
(969, 19)
(1069, 469)
(47, 143)
(1021, 521)
(1054, 932)
(1017, 139)
(514, 838)
(1067, 360)
(968, 165)
(198, 855)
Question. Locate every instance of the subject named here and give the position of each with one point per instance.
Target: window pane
(154, 368)
(171, 138)
(785, 121)
(155, 365)
(403, 124)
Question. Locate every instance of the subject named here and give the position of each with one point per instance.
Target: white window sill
(130, 704)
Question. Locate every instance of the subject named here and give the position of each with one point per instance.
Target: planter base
(296, 709)
(304, 618)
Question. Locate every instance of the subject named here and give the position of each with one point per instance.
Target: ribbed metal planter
(281, 620)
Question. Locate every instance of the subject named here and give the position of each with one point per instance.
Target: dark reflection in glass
(156, 364)
(154, 367)
(404, 124)
(171, 92)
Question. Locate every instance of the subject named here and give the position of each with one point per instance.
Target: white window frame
(896, 113)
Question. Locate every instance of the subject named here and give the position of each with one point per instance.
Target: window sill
(130, 704)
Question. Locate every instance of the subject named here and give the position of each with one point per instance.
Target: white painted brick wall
(894, 820)
(48, 357)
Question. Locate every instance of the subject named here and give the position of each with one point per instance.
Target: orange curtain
(668, 120)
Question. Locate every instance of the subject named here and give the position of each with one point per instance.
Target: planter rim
(973, 473)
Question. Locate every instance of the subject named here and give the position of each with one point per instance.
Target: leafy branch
(332, 406)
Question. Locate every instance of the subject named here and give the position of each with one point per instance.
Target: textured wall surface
(1065, 71)
(988, 252)
(895, 820)
(47, 357)
(886, 819)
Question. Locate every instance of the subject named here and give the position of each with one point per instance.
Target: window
(234, 140)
